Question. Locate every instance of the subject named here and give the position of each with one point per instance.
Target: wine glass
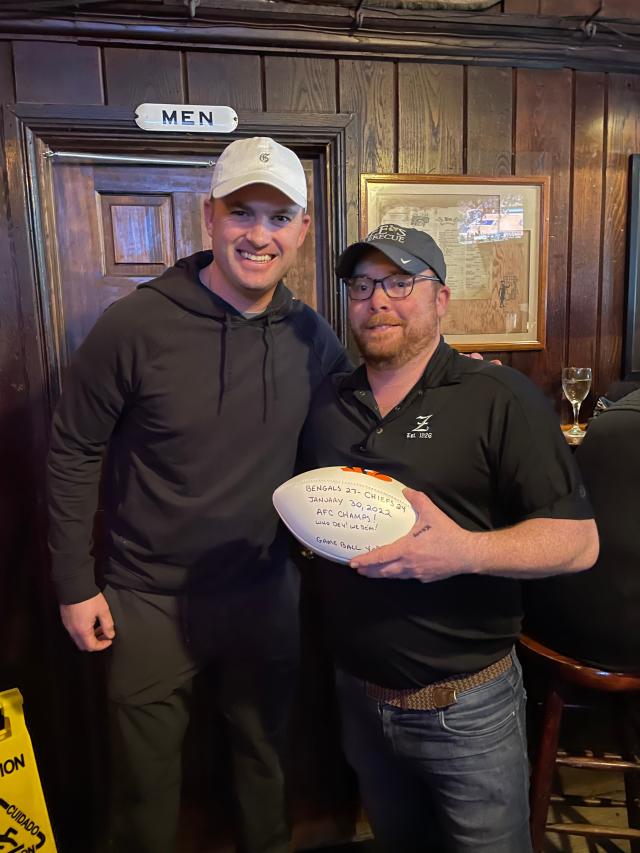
(576, 382)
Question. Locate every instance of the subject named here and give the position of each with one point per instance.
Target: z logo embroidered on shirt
(422, 429)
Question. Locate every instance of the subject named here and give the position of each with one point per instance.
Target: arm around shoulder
(332, 355)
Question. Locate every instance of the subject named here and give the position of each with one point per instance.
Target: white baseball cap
(259, 160)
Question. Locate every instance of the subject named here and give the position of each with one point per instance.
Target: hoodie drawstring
(268, 366)
(183, 285)
(268, 363)
(225, 362)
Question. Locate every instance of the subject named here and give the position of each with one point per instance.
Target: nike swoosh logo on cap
(402, 260)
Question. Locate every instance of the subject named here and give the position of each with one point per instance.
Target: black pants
(150, 685)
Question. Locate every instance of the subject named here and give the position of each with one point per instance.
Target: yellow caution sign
(24, 822)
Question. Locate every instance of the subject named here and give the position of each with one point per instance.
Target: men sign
(197, 118)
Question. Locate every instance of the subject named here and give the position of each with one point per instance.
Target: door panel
(137, 230)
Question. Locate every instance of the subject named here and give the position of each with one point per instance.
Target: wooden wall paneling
(352, 180)
(7, 86)
(57, 73)
(137, 76)
(489, 120)
(300, 84)
(543, 147)
(623, 139)
(430, 133)
(610, 8)
(521, 7)
(621, 9)
(586, 219)
(367, 90)
(567, 7)
(489, 131)
(231, 79)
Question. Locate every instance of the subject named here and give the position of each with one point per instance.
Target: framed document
(494, 236)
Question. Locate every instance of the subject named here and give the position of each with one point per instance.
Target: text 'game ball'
(341, 512)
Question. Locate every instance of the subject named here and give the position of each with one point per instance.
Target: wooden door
(117, 225)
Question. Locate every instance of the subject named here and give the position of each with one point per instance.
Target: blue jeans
(454, 779)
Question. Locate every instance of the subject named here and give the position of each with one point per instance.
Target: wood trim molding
(32, 129)
(514, 40)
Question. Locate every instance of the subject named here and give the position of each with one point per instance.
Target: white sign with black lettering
(196, 118)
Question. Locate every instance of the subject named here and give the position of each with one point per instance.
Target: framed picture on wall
(631, 357)
(494, 235)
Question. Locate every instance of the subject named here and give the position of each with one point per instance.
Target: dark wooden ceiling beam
(295, 28)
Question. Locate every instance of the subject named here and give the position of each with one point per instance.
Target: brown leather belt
(439, 694)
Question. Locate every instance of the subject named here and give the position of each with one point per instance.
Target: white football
(340, 512)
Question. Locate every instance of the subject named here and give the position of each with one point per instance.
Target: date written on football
(342, 511)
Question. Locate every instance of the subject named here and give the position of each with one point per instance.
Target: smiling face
(392, 332)
(255, 235)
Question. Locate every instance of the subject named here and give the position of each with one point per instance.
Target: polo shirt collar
(443, 368)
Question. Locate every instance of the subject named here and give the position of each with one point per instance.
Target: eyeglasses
(396, 286)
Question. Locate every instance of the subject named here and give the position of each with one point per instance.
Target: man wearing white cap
(197, 385)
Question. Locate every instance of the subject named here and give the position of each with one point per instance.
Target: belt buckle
(443, 697)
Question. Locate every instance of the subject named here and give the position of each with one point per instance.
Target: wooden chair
(563, 676)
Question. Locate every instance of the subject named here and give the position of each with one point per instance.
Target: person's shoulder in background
(618, 393)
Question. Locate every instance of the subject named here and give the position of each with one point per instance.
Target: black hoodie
(200, 409)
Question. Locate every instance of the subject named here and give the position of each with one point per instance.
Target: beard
(395, 349)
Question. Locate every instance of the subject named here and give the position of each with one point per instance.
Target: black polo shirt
(486, 446)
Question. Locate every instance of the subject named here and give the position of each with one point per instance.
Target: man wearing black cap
(423, 629)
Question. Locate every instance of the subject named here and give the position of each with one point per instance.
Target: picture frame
(493, 232)
(631, 351)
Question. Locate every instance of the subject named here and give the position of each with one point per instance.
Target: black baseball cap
(409, 249)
